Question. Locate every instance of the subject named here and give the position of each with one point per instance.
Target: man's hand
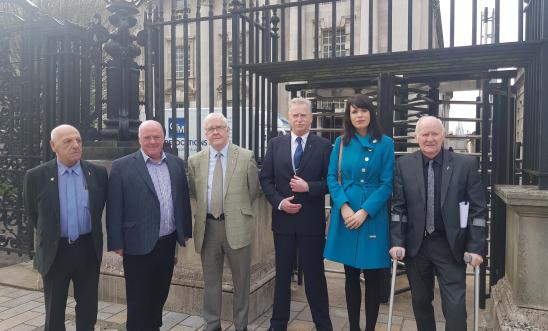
(346, 212)
(356, 220)
(476, 259)
(394, 253)
(119, 252)
(289, 207)
(298, 184)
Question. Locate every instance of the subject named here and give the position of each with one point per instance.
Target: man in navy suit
(293, 178)
(148, 211)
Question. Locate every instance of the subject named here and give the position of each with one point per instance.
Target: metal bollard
(392, 288)
(468, 259)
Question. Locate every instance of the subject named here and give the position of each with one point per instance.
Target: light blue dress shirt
(83, 216)
(212, 161)
(159, 173)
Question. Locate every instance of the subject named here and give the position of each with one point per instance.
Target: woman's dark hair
(360, 101)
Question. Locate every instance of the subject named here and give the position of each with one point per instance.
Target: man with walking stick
(438, 218)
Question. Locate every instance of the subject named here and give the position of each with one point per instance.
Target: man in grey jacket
(430, 185)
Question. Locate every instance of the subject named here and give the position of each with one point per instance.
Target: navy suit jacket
(133, 208)
(277, 171)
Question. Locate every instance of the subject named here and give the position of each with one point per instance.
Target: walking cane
(392, 287)
(468, 259)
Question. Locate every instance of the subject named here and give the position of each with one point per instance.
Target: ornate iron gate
(47, 72)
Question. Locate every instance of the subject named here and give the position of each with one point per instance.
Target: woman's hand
(346, 212)
(356, 220)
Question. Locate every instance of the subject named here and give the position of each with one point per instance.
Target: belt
(168, 236)
(211, 217)
(435, 234)
(81, 238)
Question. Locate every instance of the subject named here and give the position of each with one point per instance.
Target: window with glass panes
(179, 63)
(337, 104)
(340, 42)
(179, 8)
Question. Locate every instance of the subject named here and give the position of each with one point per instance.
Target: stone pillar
(187, 285)
(521, 298)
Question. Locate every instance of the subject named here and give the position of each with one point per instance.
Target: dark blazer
(133, 208)
(460, 182)
(277, 171)
(41, 198)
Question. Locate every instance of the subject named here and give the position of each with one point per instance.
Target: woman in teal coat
(358, 231)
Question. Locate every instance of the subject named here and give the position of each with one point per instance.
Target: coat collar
(142, 170)
(367, 141)
(447, 172)
(232, 159)
(308, 148)
(420, 175)
(231, 163)
(52, 186)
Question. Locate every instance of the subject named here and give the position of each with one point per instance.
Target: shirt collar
(61, 168)
(146, 157)
(438, 159)
(213, 152)
(304, 137)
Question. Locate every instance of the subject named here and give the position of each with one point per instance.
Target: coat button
(361, 180)
(363, 170)
(366, 159)
(374, 141)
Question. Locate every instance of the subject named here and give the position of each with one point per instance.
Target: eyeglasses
(212, 129)
(152, 138)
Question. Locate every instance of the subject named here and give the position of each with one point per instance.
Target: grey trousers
(435, 258)
(214, 249)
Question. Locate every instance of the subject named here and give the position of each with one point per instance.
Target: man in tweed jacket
(224, 218)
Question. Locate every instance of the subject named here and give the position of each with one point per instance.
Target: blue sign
(180, 128)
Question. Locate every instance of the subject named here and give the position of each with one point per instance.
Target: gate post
(122, 74)
(385, 102)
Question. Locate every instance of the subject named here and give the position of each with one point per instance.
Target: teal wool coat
(367, 173)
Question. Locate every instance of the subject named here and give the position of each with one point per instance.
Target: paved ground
(23, 310)
(11, 259)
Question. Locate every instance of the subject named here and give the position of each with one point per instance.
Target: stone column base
(509, 317)
(187, 288)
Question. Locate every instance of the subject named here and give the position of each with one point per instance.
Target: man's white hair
(298, 102)
(55, 132)
(215, 115)
(424, 118)
(147, 123)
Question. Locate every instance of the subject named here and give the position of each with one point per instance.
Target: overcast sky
(463, 36)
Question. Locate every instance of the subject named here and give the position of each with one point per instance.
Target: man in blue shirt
(64, 200)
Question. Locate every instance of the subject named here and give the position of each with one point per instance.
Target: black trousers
(148, 278)
(310, 250)
(435, 259)
(353, 292)
(76, 262)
